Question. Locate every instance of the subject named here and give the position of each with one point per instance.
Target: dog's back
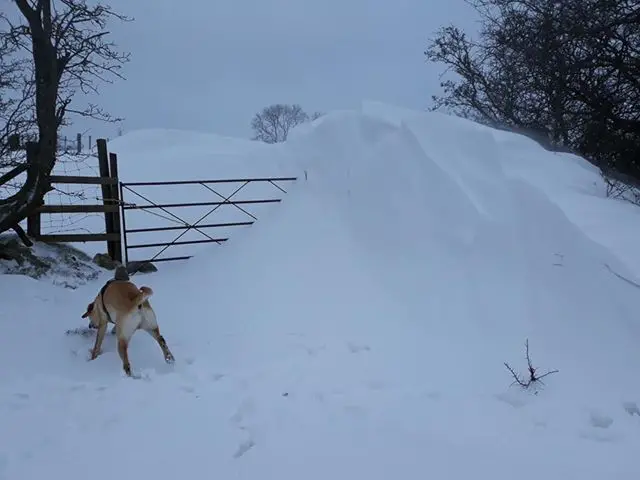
(124, 296)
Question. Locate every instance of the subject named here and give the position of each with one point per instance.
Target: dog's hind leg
(125, 328)
(150, 325)
(123, 345)
(155, 333)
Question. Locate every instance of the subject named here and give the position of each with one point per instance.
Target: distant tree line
(568, 70)
(273, 123)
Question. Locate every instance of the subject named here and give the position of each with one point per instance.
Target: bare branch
(533, 377)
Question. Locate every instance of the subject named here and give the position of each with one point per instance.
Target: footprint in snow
(246, 407)
(376, 385)
(434, 395)
(598, 420)
(110, 421)
(599, 436)
(17, 401)
(187, 389)
(355, 348)
(244, 447)
(600, 429)
(631, 408)
(313, 351)
(517, 397)
(355, 411)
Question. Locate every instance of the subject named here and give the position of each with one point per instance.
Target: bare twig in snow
(533, 377)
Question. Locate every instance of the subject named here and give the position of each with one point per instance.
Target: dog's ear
(146, 290)
(89, 310)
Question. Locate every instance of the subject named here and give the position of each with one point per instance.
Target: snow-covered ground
(358, 329)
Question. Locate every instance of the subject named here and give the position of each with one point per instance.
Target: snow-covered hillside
(359, 329)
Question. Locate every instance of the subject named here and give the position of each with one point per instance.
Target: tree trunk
(20, 205)
(45, 61)
(41, 157)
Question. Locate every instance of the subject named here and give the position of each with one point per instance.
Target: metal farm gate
(133, 198)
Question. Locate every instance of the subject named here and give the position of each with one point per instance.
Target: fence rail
(70, 179)
(66, 144)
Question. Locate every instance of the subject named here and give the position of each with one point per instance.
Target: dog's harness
(102, 290)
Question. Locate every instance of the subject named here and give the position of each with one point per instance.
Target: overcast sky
(210, 65)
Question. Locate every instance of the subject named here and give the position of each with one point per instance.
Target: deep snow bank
(163, 154)
(569, 181)
(415, 258)
(458, 245)
(358, 329)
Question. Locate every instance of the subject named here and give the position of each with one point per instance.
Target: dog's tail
(142, 296)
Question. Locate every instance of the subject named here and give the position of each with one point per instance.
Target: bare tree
(273, 123)
(566, 70)
(70, 53)
(16, 118)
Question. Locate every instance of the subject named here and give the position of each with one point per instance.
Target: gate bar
(197, 182)
(182, 227)
(199, 204)
(184, 242)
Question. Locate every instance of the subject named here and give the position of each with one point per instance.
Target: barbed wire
(83, 164)
(76, 157)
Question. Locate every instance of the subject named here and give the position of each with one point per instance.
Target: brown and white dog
(122, 303)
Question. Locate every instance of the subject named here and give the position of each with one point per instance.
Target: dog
(125, 305)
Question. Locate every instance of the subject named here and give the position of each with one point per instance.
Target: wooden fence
(108, 180)
(115, 207)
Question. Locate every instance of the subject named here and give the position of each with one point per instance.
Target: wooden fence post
(115, 194)
(34, 229)
(103, 163)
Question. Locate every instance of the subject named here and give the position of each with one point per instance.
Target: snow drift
(359, 328)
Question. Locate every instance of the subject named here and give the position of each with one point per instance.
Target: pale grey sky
(210, 65)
